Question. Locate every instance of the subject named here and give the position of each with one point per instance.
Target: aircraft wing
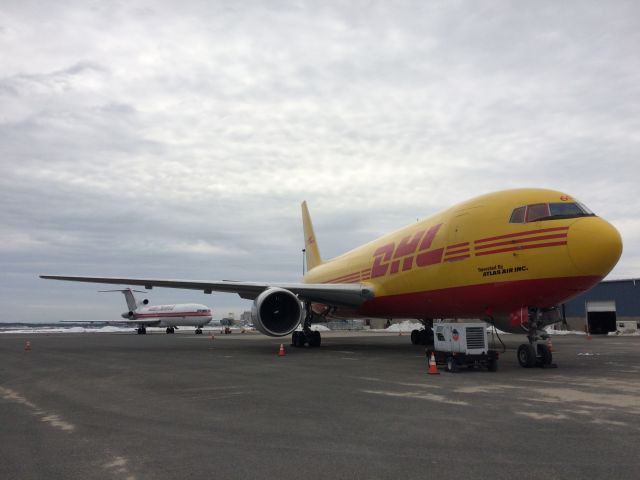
(338, 294)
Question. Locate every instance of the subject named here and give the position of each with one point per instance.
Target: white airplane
(169, 316)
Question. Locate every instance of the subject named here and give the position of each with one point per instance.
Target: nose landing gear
(535, 354)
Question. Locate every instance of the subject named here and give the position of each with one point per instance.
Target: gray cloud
(178, 139)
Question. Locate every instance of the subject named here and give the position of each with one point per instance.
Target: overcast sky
(177, 139)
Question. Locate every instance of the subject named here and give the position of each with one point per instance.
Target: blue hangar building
(605, 307)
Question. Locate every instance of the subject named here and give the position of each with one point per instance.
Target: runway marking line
(51, 418)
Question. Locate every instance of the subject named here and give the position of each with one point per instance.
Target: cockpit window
(562, 209)
(549, 211)
(517, 216)
(537, 211)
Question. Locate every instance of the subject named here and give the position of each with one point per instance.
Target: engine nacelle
(276, 312)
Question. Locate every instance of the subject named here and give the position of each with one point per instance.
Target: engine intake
(276, 312)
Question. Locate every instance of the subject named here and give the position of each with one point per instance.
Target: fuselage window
(517, 216)
(539, 210)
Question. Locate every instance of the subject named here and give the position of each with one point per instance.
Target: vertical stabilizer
(312, 253)
(131, 299)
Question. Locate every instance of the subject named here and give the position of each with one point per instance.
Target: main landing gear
(306, 336)
(198, 331)
(171, 330)
(141, 331)
(425, 336)
(535, 354)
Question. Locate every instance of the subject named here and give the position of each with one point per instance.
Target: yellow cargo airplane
(508, 257)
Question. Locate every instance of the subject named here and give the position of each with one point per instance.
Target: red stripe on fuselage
(521, 234)
(522, 240)
(456, 259)
(521, 247)
(171, 315)
(344, 278)
(456, 252)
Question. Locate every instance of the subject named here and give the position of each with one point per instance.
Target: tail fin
(312, 253)
(130, 298)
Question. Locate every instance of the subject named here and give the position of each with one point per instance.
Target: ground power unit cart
(463, 344)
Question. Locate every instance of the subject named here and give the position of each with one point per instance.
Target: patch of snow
(551, 331)
(317, 327)
(405, 326)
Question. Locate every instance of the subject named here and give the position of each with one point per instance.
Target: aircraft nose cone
(594, 245)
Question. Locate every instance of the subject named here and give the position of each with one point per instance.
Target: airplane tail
(132, 303)
(312, 254)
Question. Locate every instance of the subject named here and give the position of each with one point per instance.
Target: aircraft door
(456, 234)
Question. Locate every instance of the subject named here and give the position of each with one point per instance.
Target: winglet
(312, 253)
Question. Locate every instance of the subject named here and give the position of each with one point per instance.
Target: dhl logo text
(390, 258)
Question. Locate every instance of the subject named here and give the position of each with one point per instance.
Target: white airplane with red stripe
(167, 316)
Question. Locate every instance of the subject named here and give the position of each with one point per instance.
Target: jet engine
(276, 312)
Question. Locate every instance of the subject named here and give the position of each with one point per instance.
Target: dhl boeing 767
(508, 257)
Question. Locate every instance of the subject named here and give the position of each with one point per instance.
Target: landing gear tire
(198, 331)
(142, 331)
(526, 355)
(545, 357)
(315, 339)
(415, 337)
(170, 330)
(298, 339)
(452, 365)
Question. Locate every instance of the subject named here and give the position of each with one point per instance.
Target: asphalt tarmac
(126, 406)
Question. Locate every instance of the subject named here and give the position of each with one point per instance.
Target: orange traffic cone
(433, 368)
(211, 336)
(281, 351)
(27, 346)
